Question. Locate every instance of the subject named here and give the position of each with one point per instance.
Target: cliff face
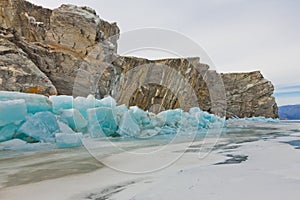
(70, 50)
(186, 83)
(60, 41)
(169, 83)
(249, 94)
(19, 73)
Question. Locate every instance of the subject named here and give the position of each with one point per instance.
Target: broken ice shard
(74, 119)
(12, 111)
(64, 128)
(119, 111)
(7, 132)
(34, 118)
(68, 140)
(34, 102)
(171, 117)
(107, 101)
(105, 118)
(140, 116)
(128, 125)
(61, 102)
(41, 126)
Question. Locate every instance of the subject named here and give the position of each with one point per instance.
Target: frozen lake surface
(251, 159)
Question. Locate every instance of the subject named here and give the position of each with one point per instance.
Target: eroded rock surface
(249, 94)
(70, 50)
(169, 83)
(19, 73)
(62, 41)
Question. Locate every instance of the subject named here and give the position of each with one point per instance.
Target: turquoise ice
(68, 140)
(103, 117)
(140, 117)
(12, 111)
(74, 119)
(64, 120)
(41, 126)
(34, 102)
(61, 102)
(129, 125)
(108, 101)
(171, 117)
(82, 104)
(7, 132)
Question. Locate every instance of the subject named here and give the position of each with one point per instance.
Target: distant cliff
(291, 112)
(59, 52)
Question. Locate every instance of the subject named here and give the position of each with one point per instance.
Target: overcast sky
(238, 35)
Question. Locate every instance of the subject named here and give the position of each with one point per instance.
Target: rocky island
(42, 51)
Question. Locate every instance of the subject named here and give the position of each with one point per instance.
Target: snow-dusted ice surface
(84, 148)
(257, 160)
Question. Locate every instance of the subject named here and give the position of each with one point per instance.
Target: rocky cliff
(57, 41)
(249, 94)
(70, 50)
(169, 83)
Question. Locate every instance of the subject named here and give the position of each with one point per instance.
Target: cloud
(287, 94)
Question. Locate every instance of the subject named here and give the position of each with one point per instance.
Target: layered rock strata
(70, 50)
